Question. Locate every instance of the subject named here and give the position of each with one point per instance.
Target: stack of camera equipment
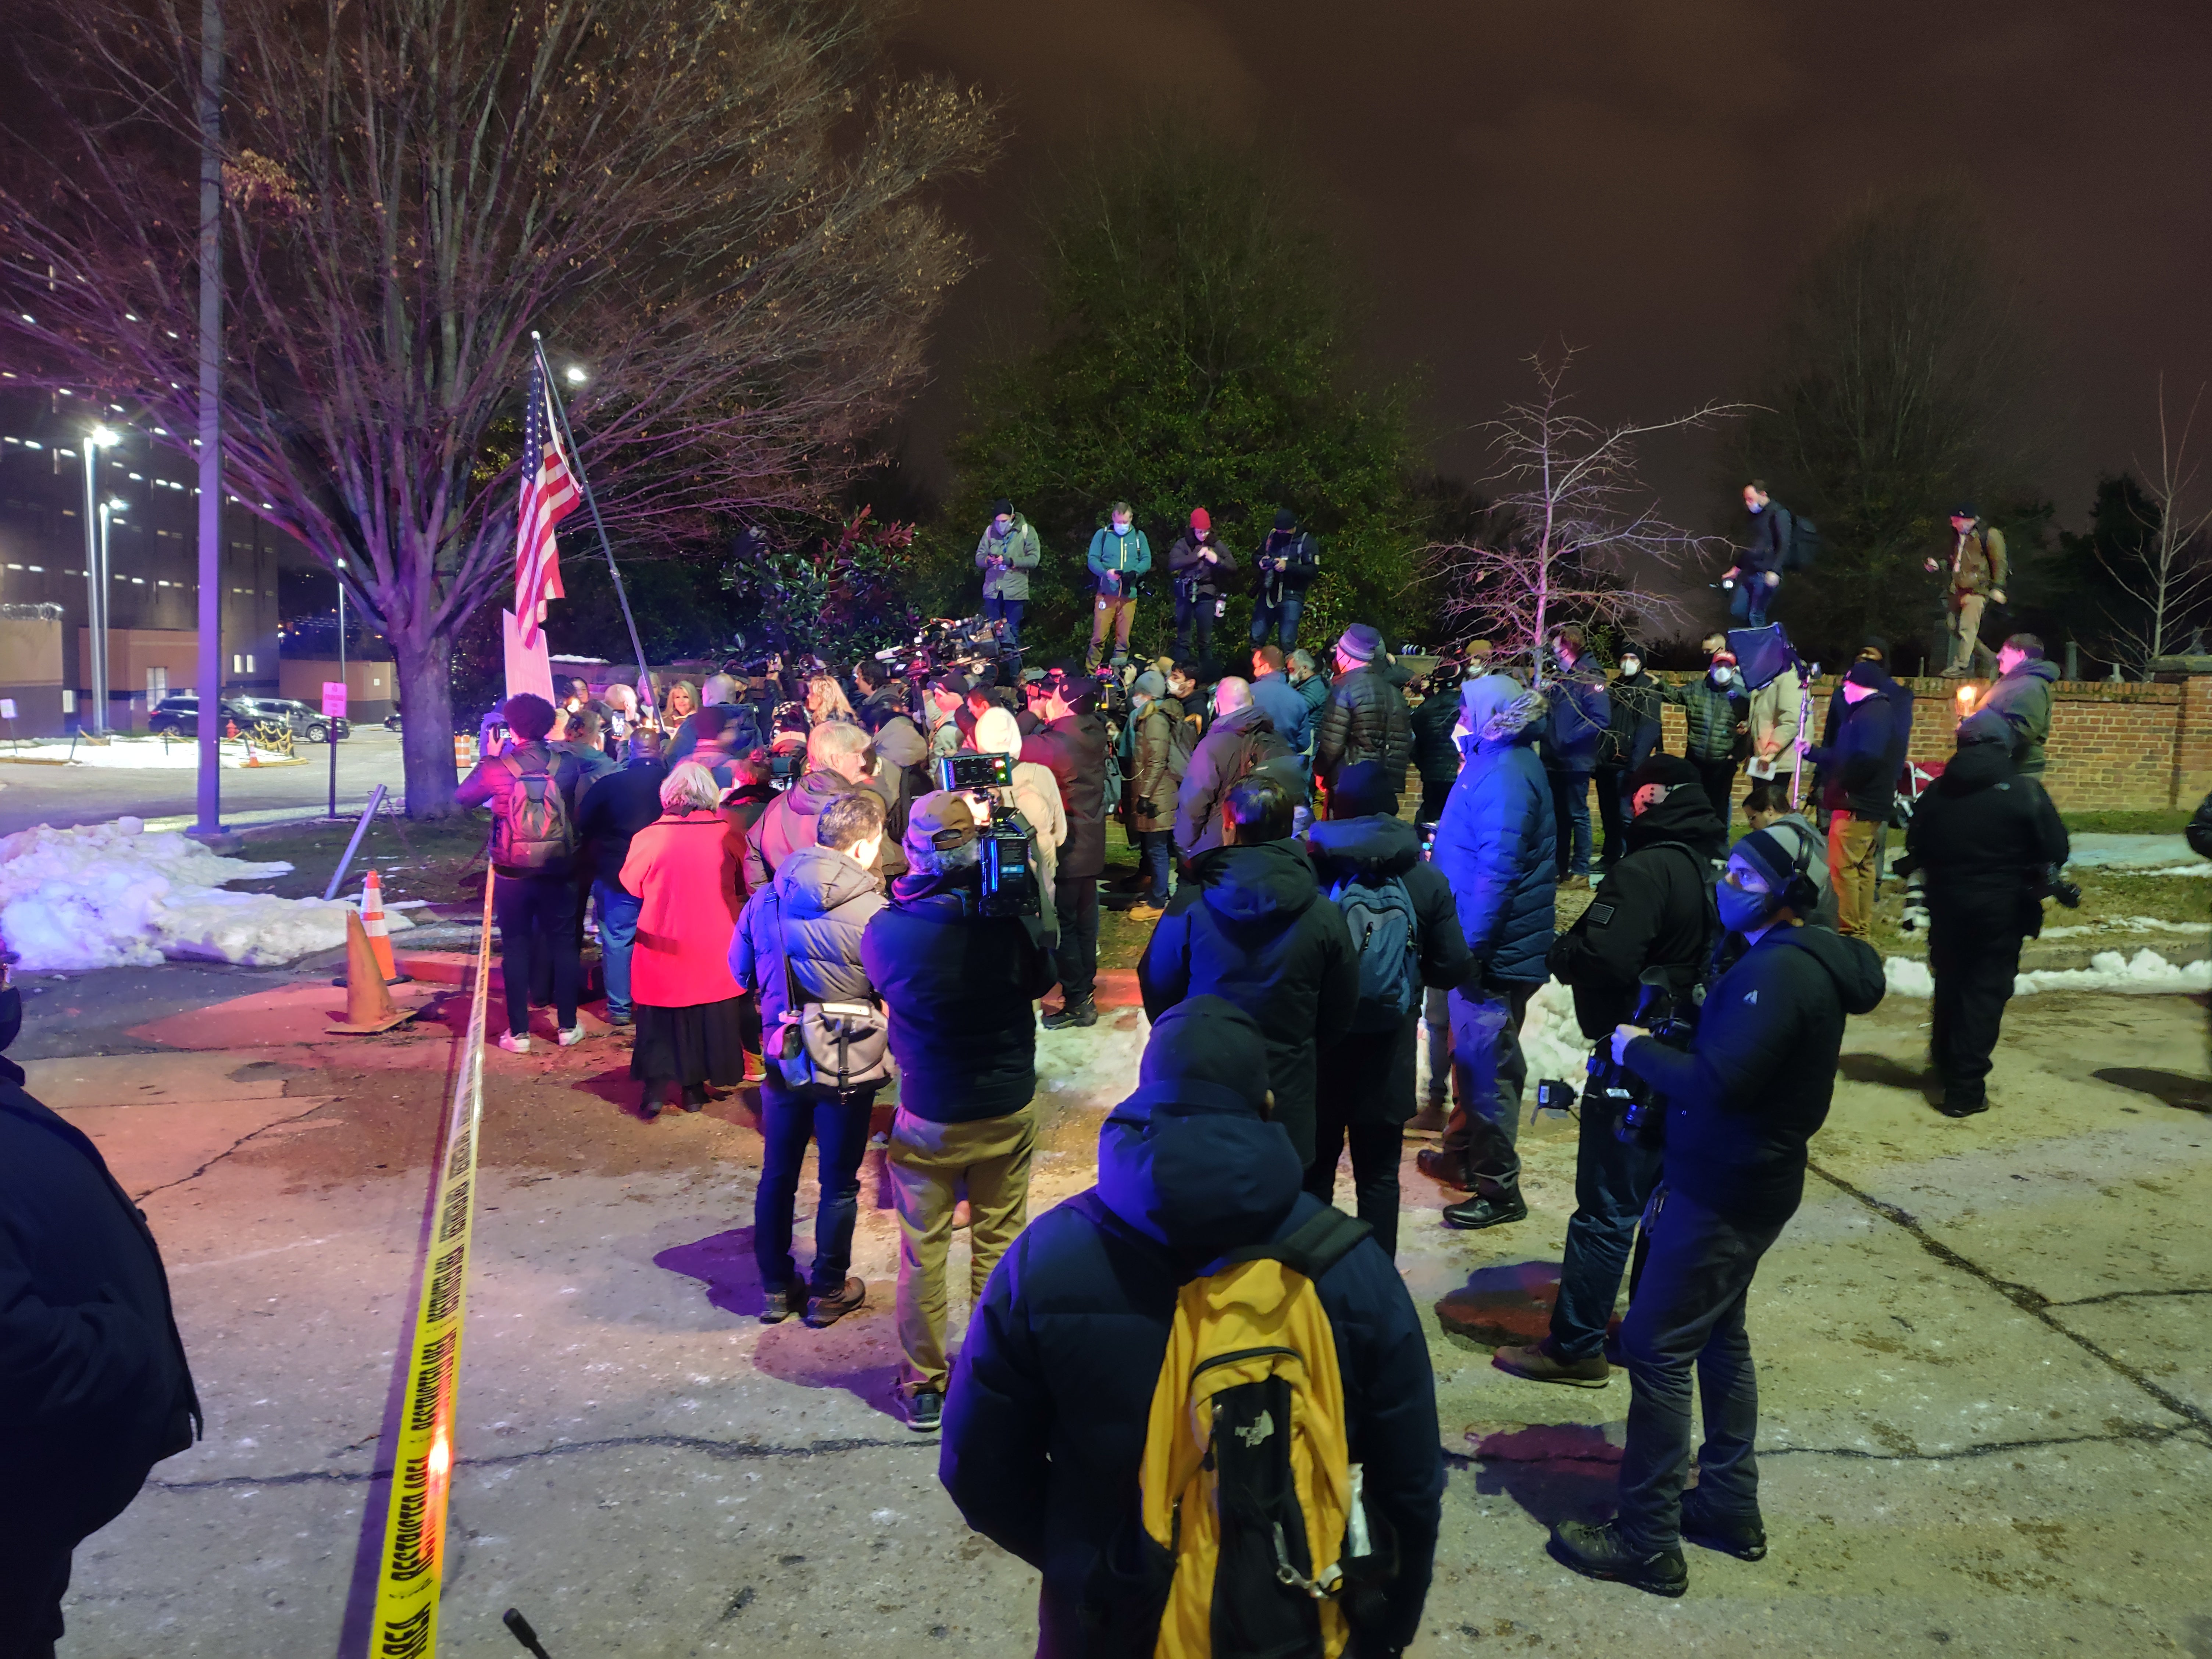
(1006, 853)
(1640, 1117)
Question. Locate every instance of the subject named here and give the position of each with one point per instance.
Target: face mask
(1121, 529)
(11, 1015)
(1630, 668)
(1740, 912)
(1722, 676)
(1756, 507)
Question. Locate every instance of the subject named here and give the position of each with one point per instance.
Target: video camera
(1671, 1018)
(1006, 849)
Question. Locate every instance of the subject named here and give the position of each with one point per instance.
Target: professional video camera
(1007, 852)
(1671, 1018)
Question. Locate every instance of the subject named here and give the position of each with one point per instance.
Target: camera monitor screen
(975, 772)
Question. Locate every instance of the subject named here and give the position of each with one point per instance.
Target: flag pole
(584, 482)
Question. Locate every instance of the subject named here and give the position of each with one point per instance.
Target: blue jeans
(1688, 1311)
(617, 912)
(1748, 604)
(1489, 1072)
(1155, 854)
(1571, 817)
(839, 1131)
(1266, 618)
(1011, 611)
(1613, 1183)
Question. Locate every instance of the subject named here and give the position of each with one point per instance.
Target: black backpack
(1801, 544)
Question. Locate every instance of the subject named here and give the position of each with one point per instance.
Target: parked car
(180, 716)
(304, 718)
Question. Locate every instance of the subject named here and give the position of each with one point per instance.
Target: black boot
(1085, 1012)
(1600, 1552)
(1488, 1210)
(1746, 1539)
(1963, 1099)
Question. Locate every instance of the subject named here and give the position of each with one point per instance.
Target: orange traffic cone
(369, 1007)
(379, 933)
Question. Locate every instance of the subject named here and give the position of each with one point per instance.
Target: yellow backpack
(1247, 1484)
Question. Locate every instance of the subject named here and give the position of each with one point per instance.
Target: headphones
(1800, 895)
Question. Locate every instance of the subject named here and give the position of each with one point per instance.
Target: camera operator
(1007, 552)
(1036, 794)
(1988, 842)
(1071, 744)
(880, 690)
(1742, 1101)
(1653, 913)
(957, 986)
(838, 753)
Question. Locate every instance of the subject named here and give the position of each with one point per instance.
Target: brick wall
(2111, 747)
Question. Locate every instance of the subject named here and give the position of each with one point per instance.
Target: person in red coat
(683, 868)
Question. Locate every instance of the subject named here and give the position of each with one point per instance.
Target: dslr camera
(1006, 853)
(1640, 1117)
(2050, 882)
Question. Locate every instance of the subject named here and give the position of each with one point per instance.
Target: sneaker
(1487, 1210)
(1600, 1552)
(755, 1069)
(1540, 1362)
(622, 1020)
(1744, 1539)
(1085, 1012)
(1445, 1168)
(1144, 912)
(828, 1309)
(514, 1044)
(572, 1035)
(925, 1410)
(780, 1303)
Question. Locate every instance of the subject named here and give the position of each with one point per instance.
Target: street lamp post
(330, 720)
(96, 579)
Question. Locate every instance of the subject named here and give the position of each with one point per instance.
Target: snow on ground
(2145, 972)
(143, 754)
(2095, 850)
(113, 896)
(2125, 925)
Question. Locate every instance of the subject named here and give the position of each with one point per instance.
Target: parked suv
(179, 715)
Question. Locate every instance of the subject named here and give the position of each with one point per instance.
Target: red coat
(684, 872)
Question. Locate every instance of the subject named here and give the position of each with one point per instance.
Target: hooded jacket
(1632, 729)
(1494, 841)
(1981, 835)
(1365, 719)
(1289, 712)
(1854, 757)
(813, 914)
(2022, 699)
(1238, 743)
(1578, 718)
(1436, 756)
(1115, 559)
(1151, 798)
(1251, 926)
(1046, 1415)
(1776, 712)
(1187, 566)
(1010, 581)
(1301, 557)
(1073, 750)
(902, 777)
(791, 821)
(958, 988)
(1653, 911)
(1756, 1081)
(1376, 1071)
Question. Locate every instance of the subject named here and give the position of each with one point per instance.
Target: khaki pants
(1965, 629)
(1851, 871)
(931, 1166)
(1117, 611)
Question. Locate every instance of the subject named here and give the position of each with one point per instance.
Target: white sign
(334, 699)
(6, 709)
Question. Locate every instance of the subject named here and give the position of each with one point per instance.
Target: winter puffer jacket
(1579, 716)
(813, 912)
(1776, 710)
(1250, 925)
(958, 988)
(1074, 751)
(791, 822)
(1365, 719)
(1151, 798)
(1756, 1081)
(1981, 834)
(1854, 757)
(1710, 713)
(1652, 913)
(902, 778)
(1045, 1418)
(1495, 841)
(1632, 731)
(1241, 742)
(2022, 699)
(1436, 757)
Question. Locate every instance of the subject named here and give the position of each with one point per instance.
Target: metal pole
(210, 801)
(560, 414)
(99, 626)
(331, 722)
(88, 662)
(368, 815)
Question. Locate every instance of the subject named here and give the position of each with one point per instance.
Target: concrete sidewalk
(1983, 1344)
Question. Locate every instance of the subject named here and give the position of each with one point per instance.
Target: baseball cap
(939, 820)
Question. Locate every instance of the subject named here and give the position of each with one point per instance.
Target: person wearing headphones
(1742, 1101)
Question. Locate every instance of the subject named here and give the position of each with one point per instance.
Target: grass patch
(440, 859)
(2160, 821)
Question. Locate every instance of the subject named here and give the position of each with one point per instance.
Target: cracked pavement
(1986, 1422)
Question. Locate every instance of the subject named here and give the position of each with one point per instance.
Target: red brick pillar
(2192, 742)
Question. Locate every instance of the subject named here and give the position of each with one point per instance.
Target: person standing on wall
(1858, 784)
(1119, 554)
(1757, 574)
(1977, 567)
(1196, 564)
(1006, 554)
(1283, 569)
(1717, 714)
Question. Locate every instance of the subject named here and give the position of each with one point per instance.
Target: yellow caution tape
(405, 1624)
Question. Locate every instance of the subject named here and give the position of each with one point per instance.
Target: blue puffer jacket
(1044, 1423)
(1495, 841)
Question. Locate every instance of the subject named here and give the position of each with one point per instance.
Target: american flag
(549, 495)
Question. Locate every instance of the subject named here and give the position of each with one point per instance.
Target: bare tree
(1573, 535)
(2167, 574)
(720, 214)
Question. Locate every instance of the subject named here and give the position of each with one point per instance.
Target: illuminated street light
(574, 374)
(96, 571)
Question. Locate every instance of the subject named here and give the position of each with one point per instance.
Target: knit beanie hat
(1287, 519)
(1002, 505)
(1150, 683)
(1201, 518)
(1361, 642)
(1763, 850)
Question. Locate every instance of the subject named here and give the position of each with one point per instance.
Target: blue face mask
(1756, 507)
(1121, 529)
(1740, 912)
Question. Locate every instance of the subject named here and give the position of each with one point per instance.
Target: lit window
(237, 664)
(15, 567)
(137, 479)
(40, 568)
(139, 580)
(249, 662)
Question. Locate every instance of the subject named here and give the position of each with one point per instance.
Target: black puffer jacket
(1365, 719)
(1653, 912)
(1251, 926)
(1238, 743)
(1983, 834)
(1756, 1081)
(1436, 757)
(1074, 751)
(1632, 729)
(1374, 1072)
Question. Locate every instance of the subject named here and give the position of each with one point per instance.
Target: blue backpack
(1380, 918)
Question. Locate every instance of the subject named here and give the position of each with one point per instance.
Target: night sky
(1644, 179)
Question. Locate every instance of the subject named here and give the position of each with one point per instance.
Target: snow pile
(147, 755)
(111, 895)
(2146, 972)
(2183, 870)
(2125, 925)
(1092, 1068)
